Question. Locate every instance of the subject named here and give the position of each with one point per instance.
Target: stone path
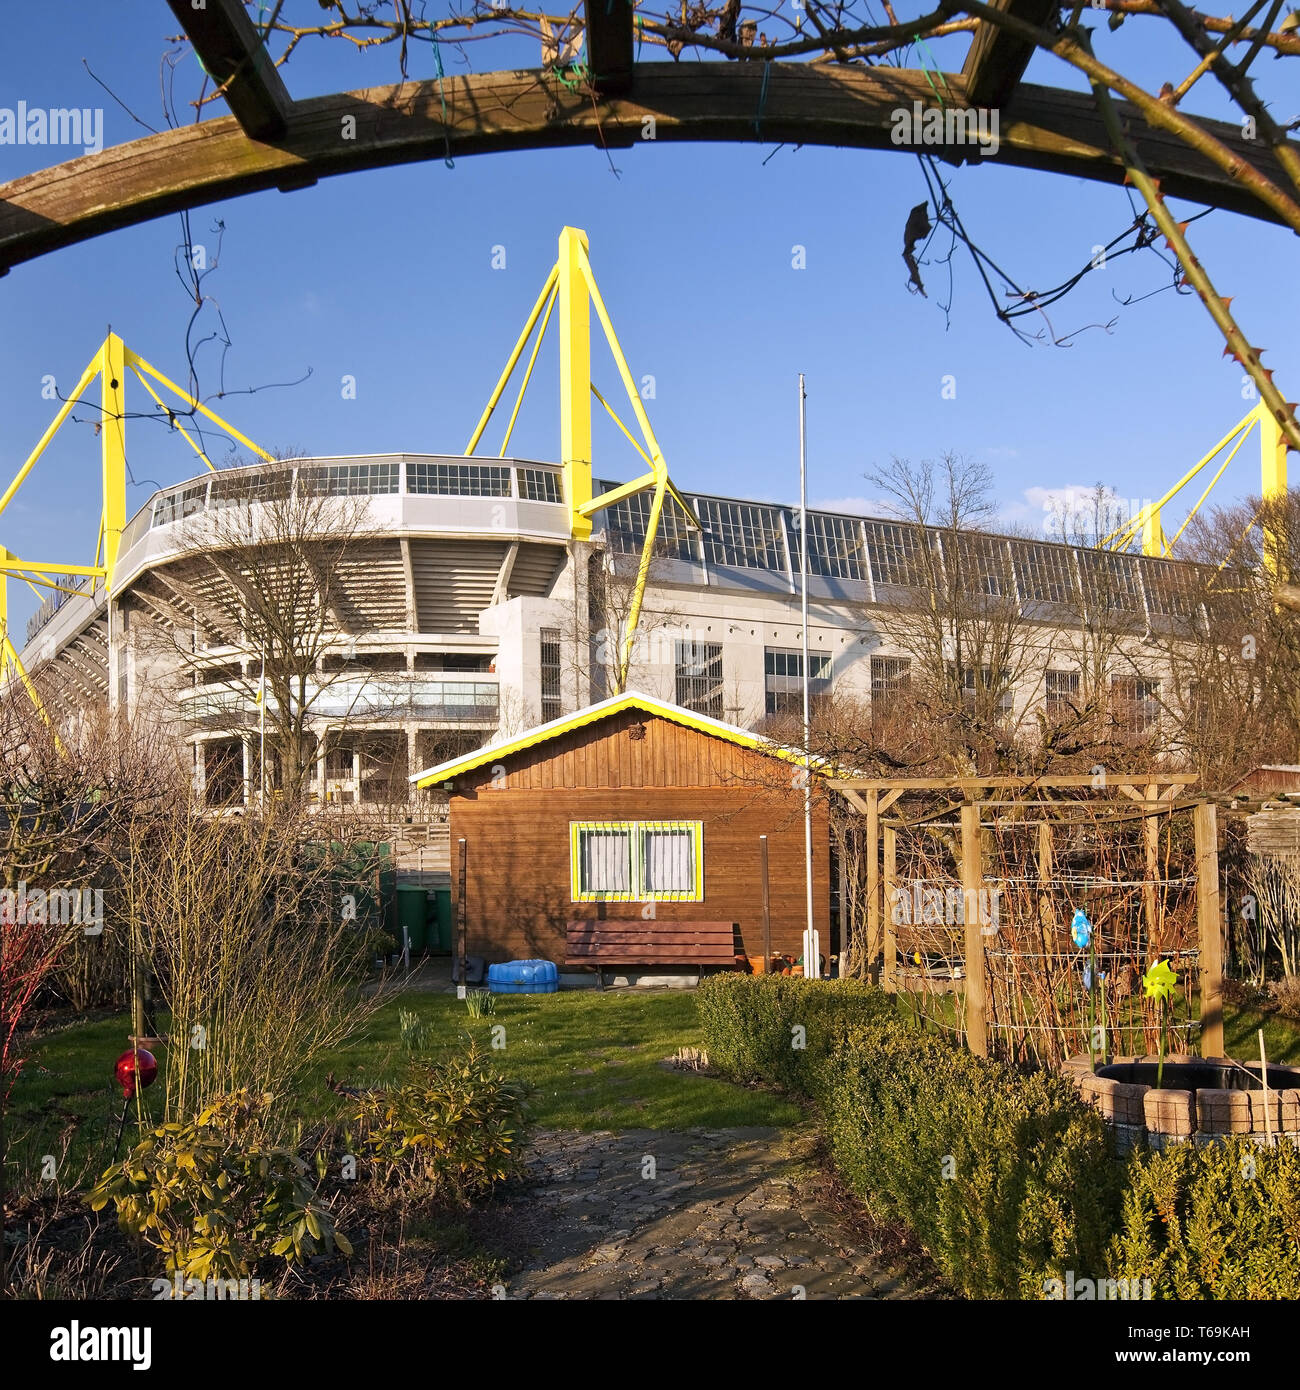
(703, 1214)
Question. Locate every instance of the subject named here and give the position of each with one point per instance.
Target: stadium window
(698, 670)
(1061, 693)
(890, 678)
(783, 669)
(1135, 701)
(976, 681)
(550, 653)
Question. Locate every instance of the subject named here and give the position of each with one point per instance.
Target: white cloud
(1079, 511)
(855, 506)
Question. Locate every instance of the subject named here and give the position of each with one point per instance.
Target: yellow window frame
(577, 893)
(695, 894)
(636, 891)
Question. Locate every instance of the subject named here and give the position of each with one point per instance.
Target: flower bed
(1201, 1099)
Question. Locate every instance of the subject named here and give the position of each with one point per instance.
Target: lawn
(594, 1061)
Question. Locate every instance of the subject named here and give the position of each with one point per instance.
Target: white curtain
(668, 856)
(607, 861)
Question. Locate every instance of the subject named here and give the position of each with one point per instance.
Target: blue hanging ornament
(1081, 930)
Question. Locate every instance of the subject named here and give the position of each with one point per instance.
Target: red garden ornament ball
(135, 1064)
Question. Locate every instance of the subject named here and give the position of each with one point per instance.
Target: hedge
(749, 1022)
(1006, 1177)
(1220, 1222)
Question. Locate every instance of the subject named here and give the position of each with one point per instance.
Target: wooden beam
(610, 58)
(1006, 783)
(234, 56)
(1151, 903)
(997, 60)
(803, 103)
(889, 971)
(875, 942)
(972, 882)
(1210, 928)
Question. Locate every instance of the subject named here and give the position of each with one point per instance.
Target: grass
(593, 1060)
(1241, 1036)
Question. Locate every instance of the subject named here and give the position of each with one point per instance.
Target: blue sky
(387, 277)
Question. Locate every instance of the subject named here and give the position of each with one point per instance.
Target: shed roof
(593, 714)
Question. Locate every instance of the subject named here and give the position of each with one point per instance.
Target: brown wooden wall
(516, 827)
(606, 755)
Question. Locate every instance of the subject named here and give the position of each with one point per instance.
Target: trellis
(1136, 852)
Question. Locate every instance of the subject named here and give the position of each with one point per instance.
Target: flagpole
(812, 962)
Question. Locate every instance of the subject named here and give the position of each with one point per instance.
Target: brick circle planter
(1203, 1099)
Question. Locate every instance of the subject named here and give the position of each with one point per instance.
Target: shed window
(669, 853)
(627, 861)
(602, 861)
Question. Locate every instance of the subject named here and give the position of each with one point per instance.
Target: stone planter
(1202, 1099)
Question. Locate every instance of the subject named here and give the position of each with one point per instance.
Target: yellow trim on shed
(593, 714)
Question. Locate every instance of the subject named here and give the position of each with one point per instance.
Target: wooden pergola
(271, 140)
(978, 801)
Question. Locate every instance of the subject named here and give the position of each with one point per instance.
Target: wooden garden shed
(636, 813)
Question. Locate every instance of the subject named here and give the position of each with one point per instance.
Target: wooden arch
(273, 141)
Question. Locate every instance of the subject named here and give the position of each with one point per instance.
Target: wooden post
(1151, 847)
(873, 880)
(1047, 914)
(889, 974)
(1208, 920)
(972, 882)
(460, 916)
(767, 906)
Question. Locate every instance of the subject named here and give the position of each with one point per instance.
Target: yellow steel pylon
(1146, 522)
(572, 286)
(110, 364)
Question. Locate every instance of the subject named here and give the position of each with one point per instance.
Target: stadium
(394, 610)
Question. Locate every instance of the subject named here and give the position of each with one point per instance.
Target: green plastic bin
(438, 921)
(410, 914)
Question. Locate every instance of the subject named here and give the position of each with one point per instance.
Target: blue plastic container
(523, 977)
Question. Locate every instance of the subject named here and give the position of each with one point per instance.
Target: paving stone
(721, 1221)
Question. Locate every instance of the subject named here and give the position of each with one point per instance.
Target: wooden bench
(636, 943)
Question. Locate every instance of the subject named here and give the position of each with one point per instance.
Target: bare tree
(960, 622)
(261, 608)
(1238, 675)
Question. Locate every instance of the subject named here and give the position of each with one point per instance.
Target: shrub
(1220, 1222)
(1006, 1178)
(214, 1198)
(749, 1021)
(452, 1131)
